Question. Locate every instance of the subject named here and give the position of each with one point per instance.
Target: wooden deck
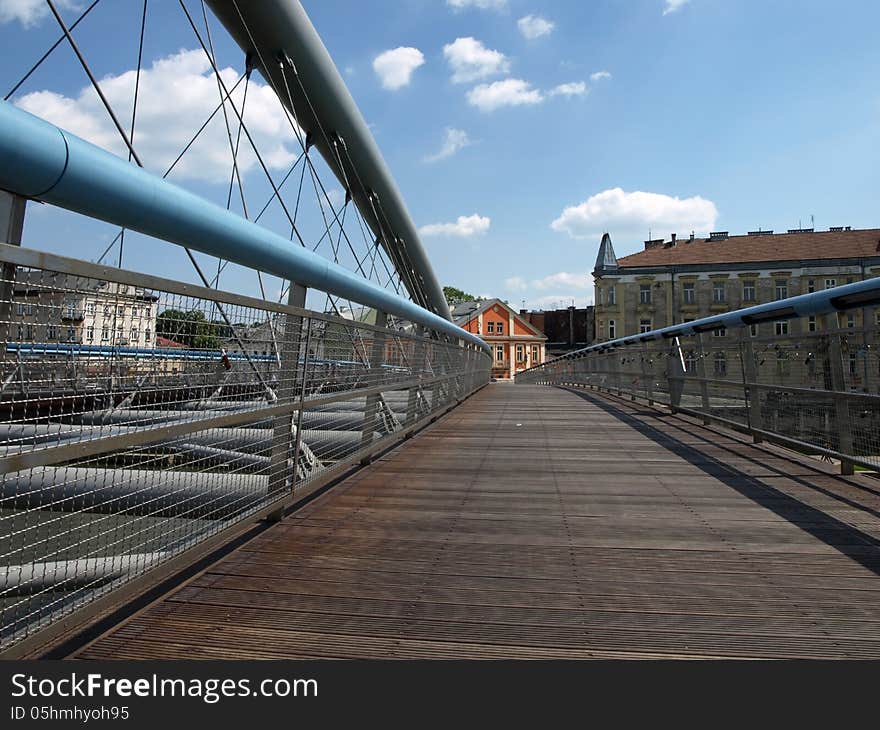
(535, 522)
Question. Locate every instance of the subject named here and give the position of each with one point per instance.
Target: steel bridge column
(842, 419)
(752, 394)
(377, 357)
(282, 473)
(418, 365)
(12, 209)
(702, 375)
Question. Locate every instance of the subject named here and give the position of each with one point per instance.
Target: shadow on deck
(535, 522)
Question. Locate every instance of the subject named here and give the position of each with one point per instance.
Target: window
(612, 329)
(690, 362)
(600, 294)
(70, 309)
(853, 364)
(720, 332)
(645, 326)
(612, 298)
(134, 335)
(718, 292)
(520, 353)
(120, 310)
(536, 354)
(811, 323)
(782, 327)
(147, 335)
(748, 290)
(71, 334)
(850, 320)
(811, 286)
(52, 332)
(753, 330)
(781, 288)
(118, 334)
(490, 328)
(90, 333)
(644, 293)
(499, 353)
(21, 332)
(105, 333)
(500, 328)
(91, 308)
(19, 309)
(830, 283)
(720, 364)
(690, 293)
(106, 311)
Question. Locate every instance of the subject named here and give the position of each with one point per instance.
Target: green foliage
(191, 329)
(457, 296)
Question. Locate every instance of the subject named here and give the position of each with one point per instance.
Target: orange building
(516, 344)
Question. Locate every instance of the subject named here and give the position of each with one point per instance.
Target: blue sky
(517, 142)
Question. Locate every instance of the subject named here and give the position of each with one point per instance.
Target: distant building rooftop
(755, 247)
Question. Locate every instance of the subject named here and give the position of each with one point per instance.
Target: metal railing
(791, 377)
(221, 408)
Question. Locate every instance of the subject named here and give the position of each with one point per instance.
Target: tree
(189, 328)
(457, 296)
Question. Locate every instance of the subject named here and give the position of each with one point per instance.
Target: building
(52, 307)
(516, 343)
(566, 329)
(680, 280)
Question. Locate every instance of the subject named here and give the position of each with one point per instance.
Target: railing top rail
(836, 299)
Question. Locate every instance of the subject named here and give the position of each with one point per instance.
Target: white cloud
(673, 5)
(470, 60)
(556, 301)
(464, 227)
(395, 67)
(632, 214)
(28, 12)
(599, 76)
(482, 4)
(563, 279)
(177, 93)
(575, 88)
(534, 26)
(455, 140)
(510, 92)
(516, 283)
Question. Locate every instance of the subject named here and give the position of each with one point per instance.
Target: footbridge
(289, 450)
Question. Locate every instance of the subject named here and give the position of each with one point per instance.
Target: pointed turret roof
(606, 258)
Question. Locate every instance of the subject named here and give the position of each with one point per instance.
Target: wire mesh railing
(141, 416)
(803, 381)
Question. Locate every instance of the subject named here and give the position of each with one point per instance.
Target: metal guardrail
(807, 384)
(119, 452)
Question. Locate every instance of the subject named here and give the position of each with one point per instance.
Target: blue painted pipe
(41, 161)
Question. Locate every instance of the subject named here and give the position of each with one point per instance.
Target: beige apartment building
(679, 280)
(49, 307)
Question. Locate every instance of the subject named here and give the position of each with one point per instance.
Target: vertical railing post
(675, 375)
(281, 474)
(377, 357)
(648, 374)
(12, 209)
(751, 393)
(842, 419)
(702, 374)
(418, 365)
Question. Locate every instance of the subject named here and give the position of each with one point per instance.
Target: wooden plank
(535, 522)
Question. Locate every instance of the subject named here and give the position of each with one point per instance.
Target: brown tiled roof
(772, 247)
